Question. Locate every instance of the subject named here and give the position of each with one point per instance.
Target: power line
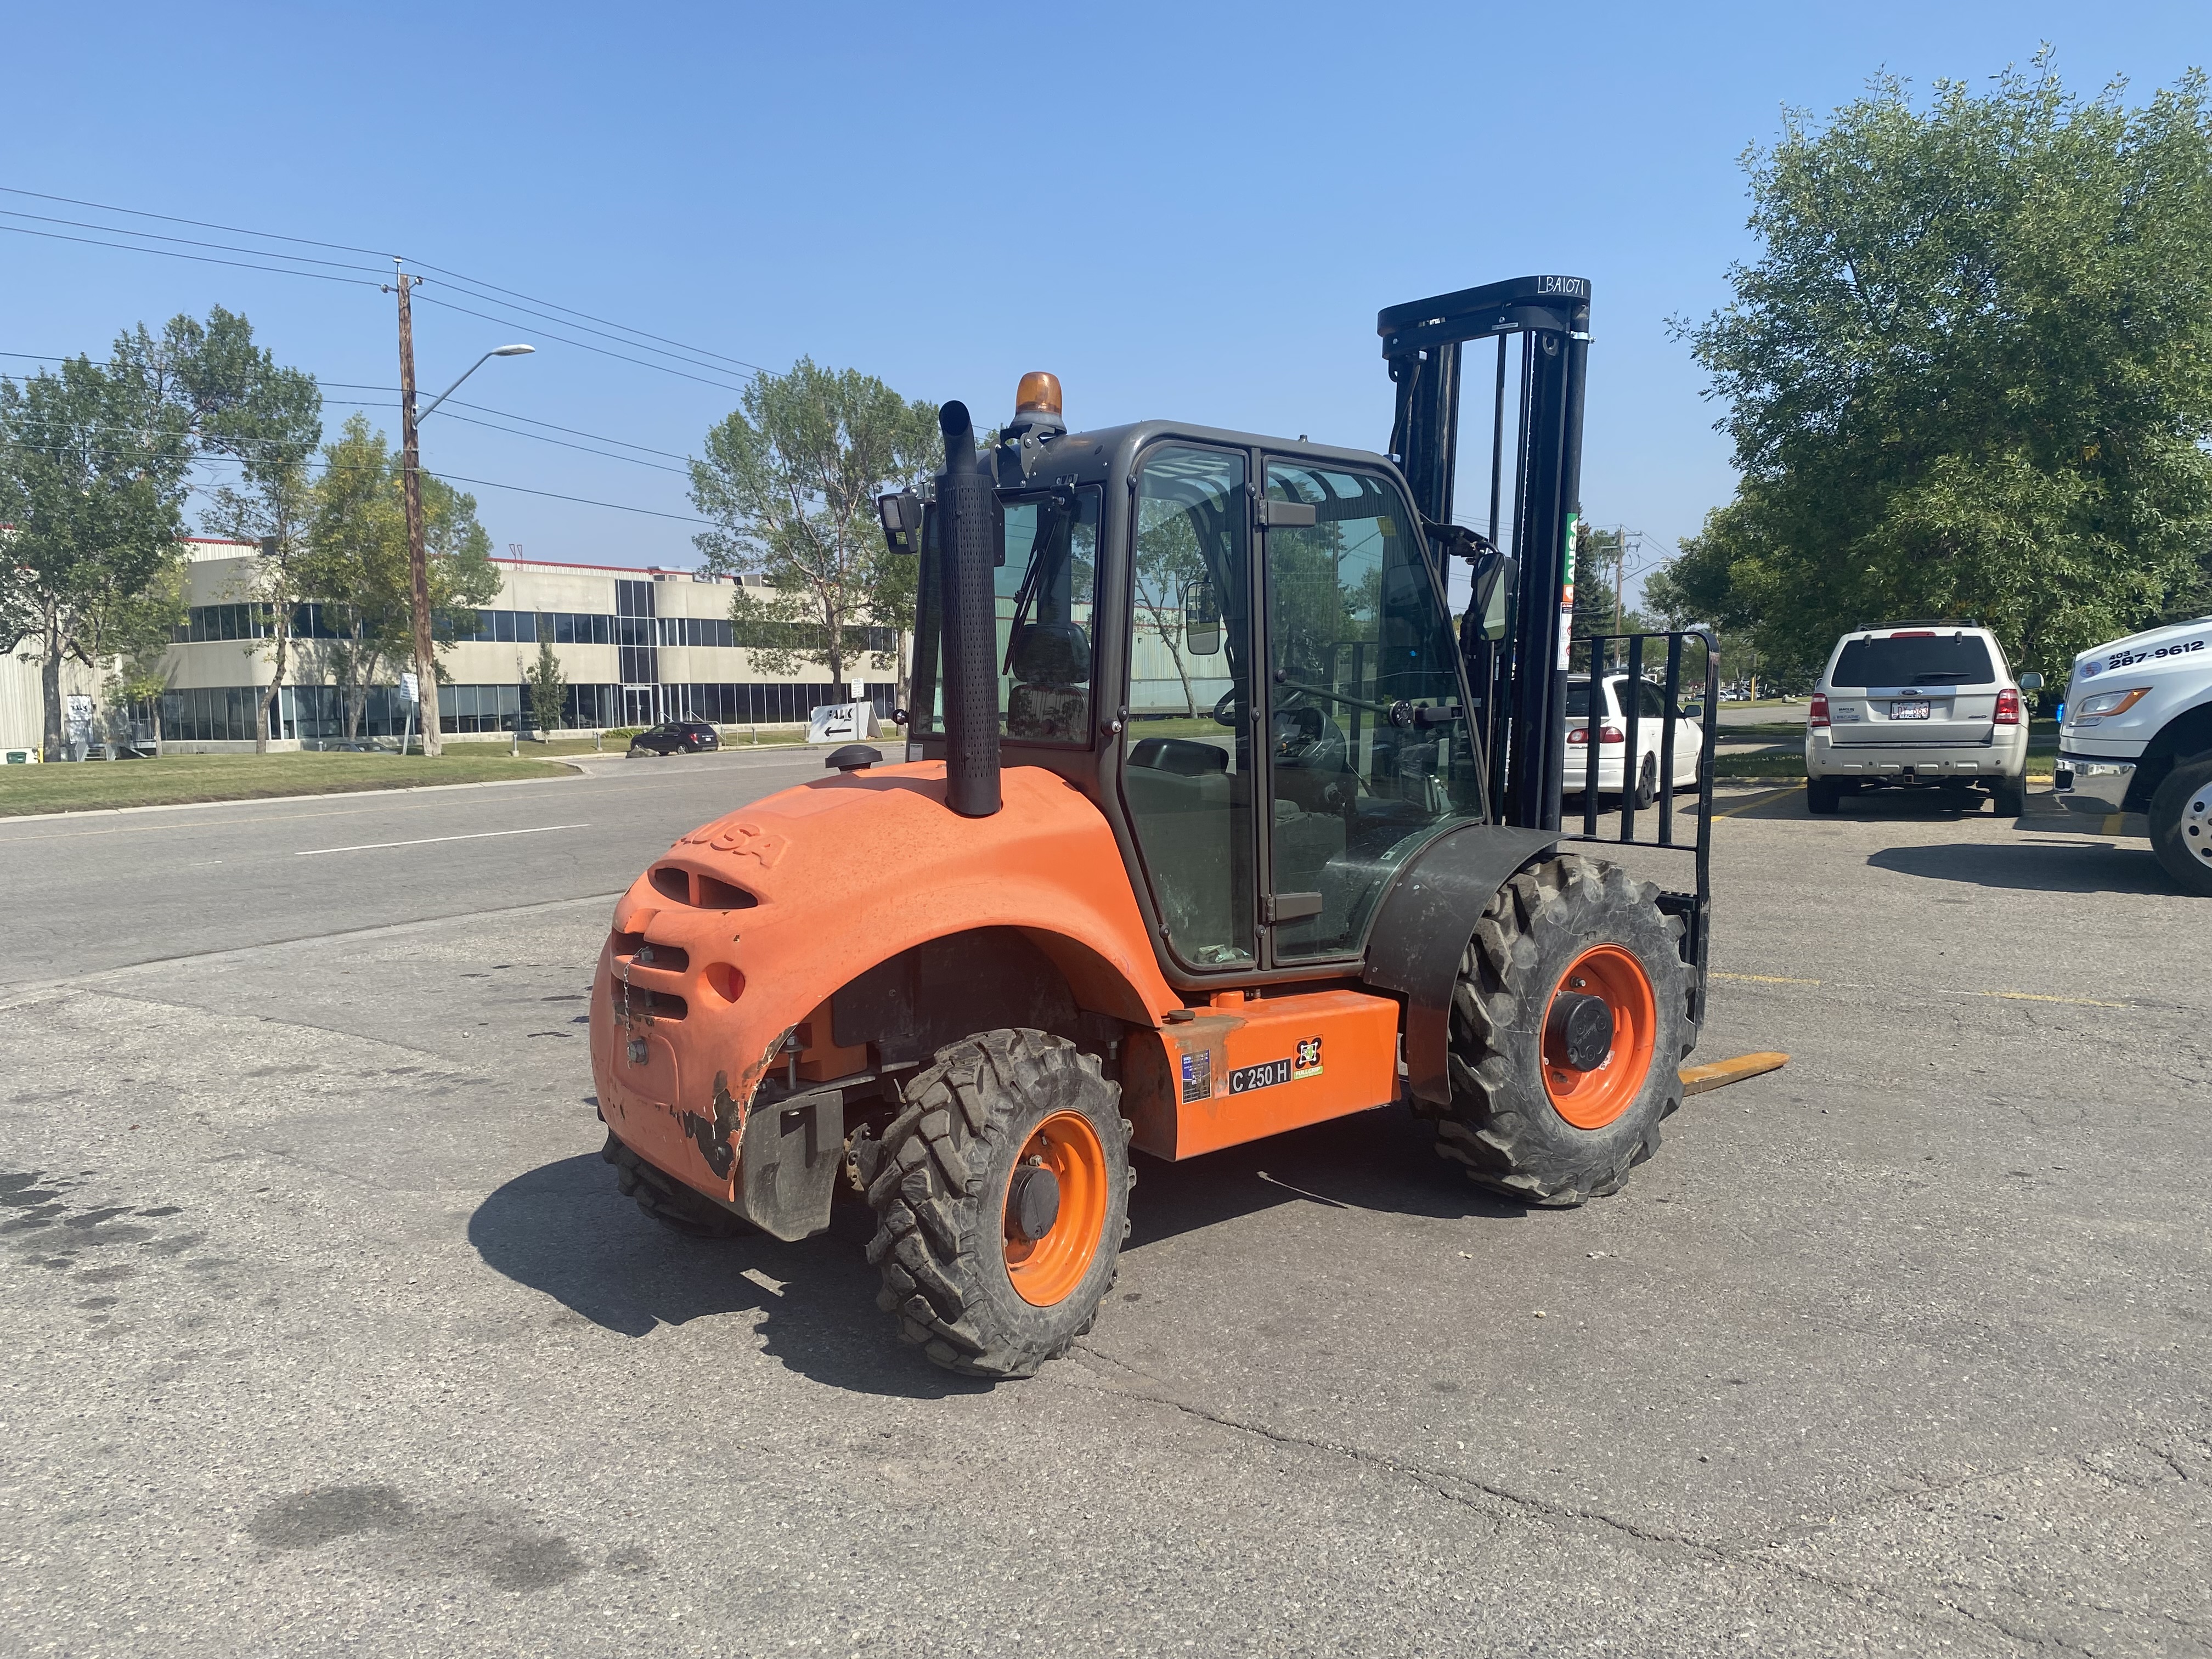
(540, 437)
(701, 351)
(188, 241)
(505, 415)
(452, 404)
(346, 247)
(580, 345)
(692, 359)
(200, 258)
(680, 517)
(170, 218)
(361, 466)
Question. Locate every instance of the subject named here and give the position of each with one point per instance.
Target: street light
(496, 351)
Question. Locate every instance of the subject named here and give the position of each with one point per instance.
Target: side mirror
(1202, 619)
(1693, 711)
(2031, 682)
(900, 514)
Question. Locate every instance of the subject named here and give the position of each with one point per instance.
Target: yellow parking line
(1763, 800)
(2111, 826)
(1764, 979)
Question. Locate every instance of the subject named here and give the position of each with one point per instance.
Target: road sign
(408, 691)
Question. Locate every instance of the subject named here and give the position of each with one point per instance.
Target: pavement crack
(285, 1023)
(1441, 1482)
(1454, 1488)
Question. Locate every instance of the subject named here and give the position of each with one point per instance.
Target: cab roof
(1089, 457)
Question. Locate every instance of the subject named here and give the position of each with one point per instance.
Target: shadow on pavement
(2033, 866)
(1382, 1160)
(563, 1230)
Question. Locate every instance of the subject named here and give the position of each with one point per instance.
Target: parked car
(676, 738)
(1920, 704)
(2135, 736)
(1612, 738)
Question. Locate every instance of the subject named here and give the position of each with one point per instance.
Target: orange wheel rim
(1046, 1271)
(1591, 1099)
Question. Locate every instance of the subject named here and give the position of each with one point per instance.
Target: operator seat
(1051, 696)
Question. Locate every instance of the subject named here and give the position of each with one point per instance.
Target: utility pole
(419, 563)
(1620, 573)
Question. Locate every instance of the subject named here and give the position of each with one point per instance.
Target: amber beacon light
(1038, 394)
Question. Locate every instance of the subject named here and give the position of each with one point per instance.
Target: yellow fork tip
(1696, 1080)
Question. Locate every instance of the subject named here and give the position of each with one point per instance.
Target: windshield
(1043, 588)
(1914, 660)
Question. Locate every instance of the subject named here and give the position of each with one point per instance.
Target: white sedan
(1612, 738)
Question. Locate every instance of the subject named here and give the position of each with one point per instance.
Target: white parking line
(481, 835)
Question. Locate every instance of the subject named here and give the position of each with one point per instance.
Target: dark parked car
(676, 738)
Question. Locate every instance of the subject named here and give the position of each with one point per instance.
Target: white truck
(2135, 736)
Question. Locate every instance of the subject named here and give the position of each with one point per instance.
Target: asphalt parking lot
(326, 1332)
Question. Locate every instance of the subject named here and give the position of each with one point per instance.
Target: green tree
(93, 468)
(1600, 557)
(1167, 581)
(356, 562)
(137, 635)
(1969, 373)
(93, 463)
(268, 420)
(790, 480)
(549, 687)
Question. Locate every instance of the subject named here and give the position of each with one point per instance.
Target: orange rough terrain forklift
(1211, 825)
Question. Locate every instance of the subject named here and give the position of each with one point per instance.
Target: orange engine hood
(843, 874)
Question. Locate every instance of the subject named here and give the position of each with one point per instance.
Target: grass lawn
(176, 778)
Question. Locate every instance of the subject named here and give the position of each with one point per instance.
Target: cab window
(1044, 588)
(1369, 757)
(1187, 760)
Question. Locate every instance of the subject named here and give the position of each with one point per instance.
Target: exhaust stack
(967, 524)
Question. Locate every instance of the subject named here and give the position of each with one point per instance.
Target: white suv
(1917, 703)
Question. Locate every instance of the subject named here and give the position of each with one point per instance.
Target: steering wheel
(1299, 735)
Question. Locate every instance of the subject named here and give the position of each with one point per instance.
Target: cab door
(1367, 753)
(1187, 772)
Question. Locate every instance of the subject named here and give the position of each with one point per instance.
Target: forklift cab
(1241, 650)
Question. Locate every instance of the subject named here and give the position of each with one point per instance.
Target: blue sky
(1185, 210)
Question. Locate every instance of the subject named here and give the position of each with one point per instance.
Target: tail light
(1605, 734)
(1818, 714)
(2008, 707)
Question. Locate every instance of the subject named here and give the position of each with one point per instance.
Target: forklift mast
(1518, 682)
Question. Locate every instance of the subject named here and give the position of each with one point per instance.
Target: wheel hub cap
(1597, 1058)
(1579, 1028)
(1054, 1210)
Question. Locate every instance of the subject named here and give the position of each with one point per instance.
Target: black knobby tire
(1821, 794)
(939, 1182)
(2011, 796)
(2181, 824)
(668, 1200)
(1502, 1125)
